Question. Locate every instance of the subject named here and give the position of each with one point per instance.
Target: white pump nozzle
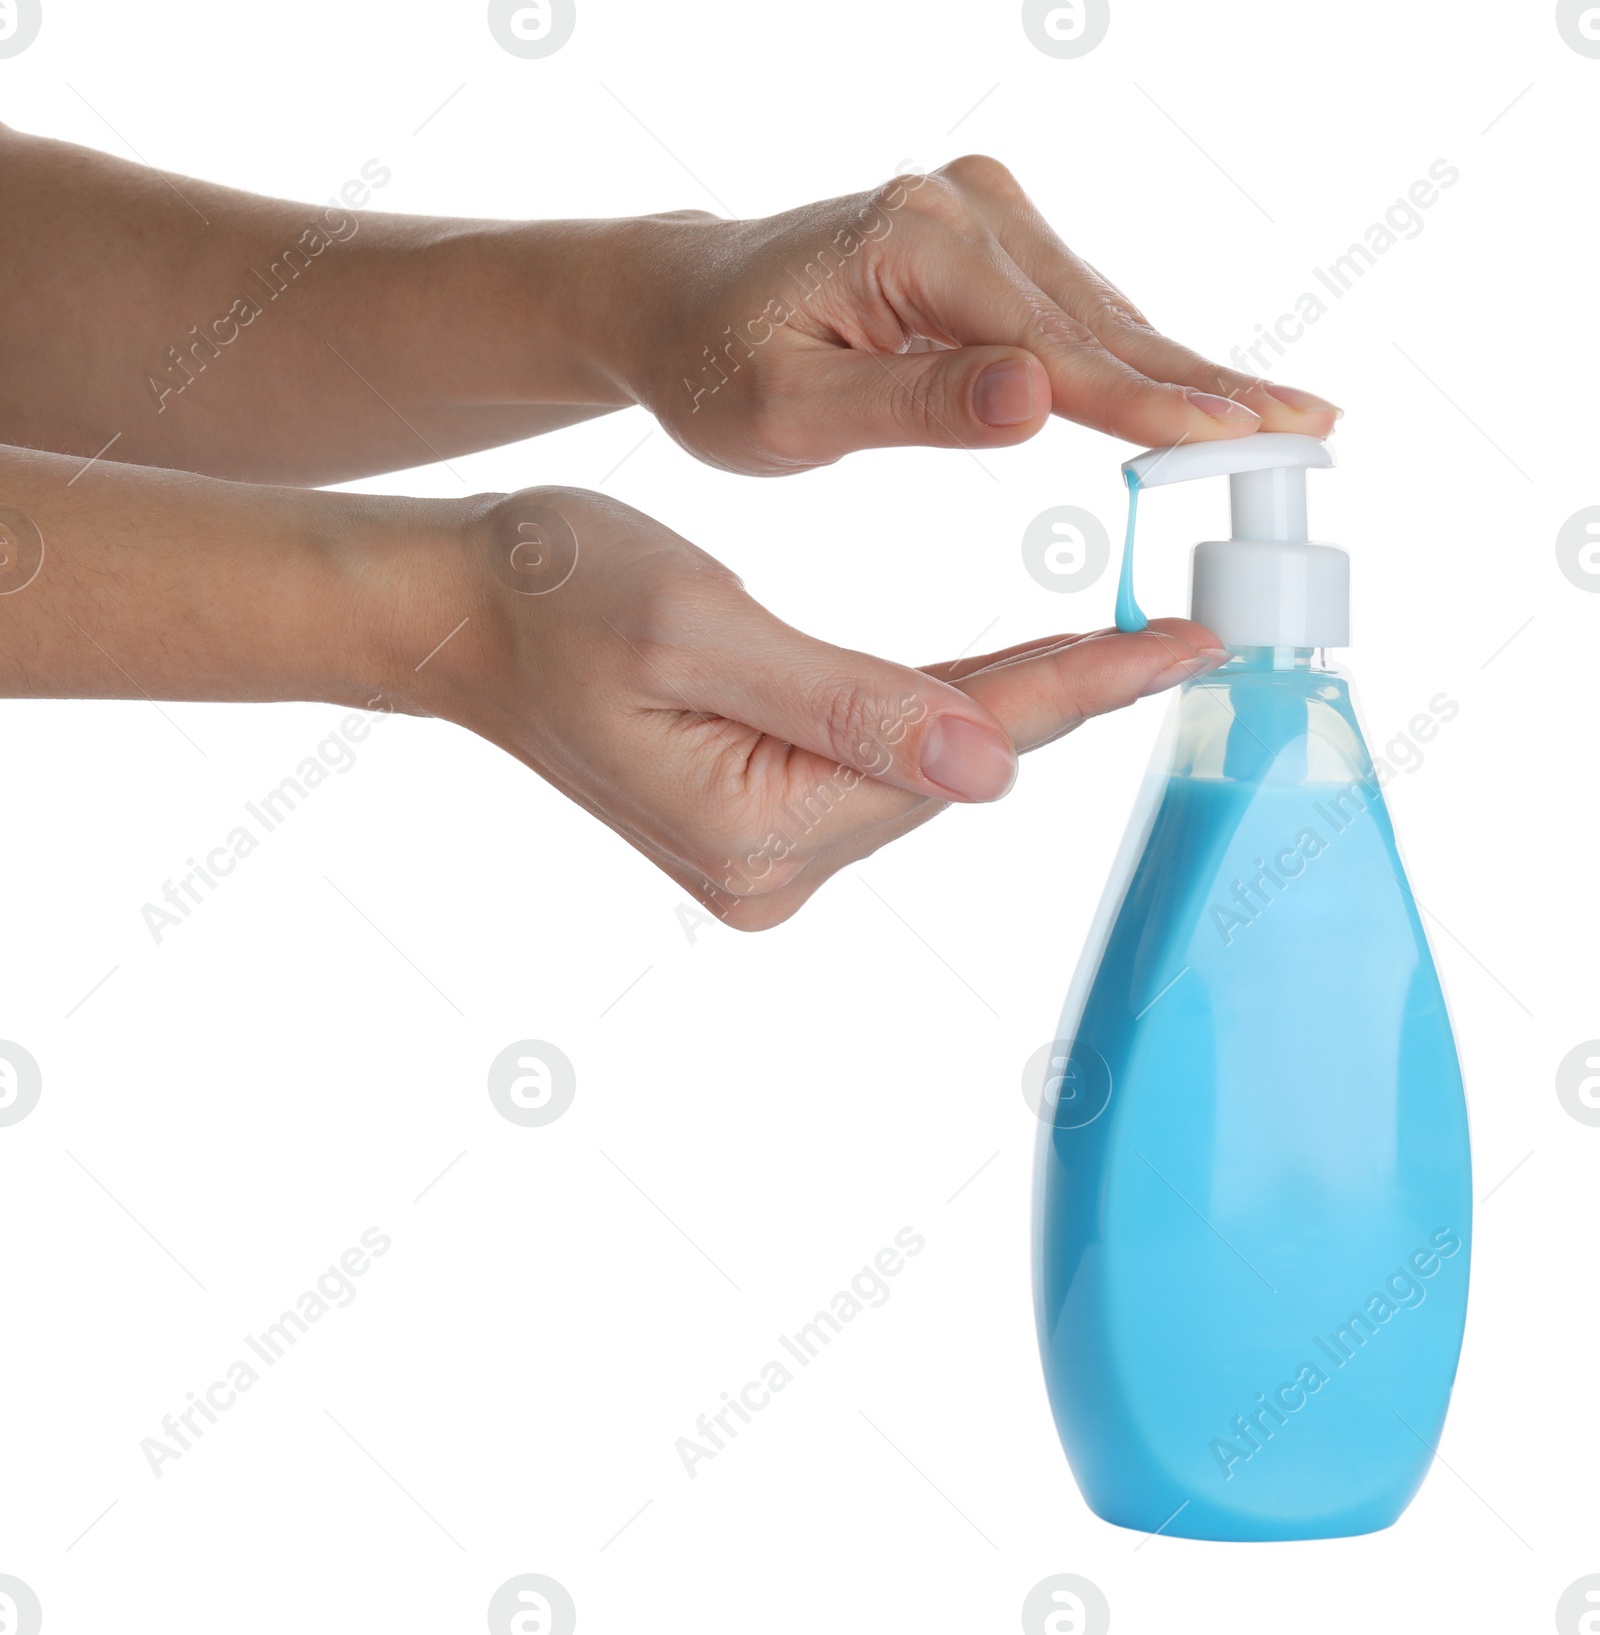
(1268, 586)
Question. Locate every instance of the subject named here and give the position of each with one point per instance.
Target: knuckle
(849, 717)
(1059, 328)
(930, 403)
(1111, 309)
(984, 174)
(913, 192)
(942, 202)
(868, 730)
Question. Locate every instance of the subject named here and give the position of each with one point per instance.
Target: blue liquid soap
(1253, 1203)
(1130, 616)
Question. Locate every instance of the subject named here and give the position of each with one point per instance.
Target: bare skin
(610, 655)
(617, 660)
(404, 338)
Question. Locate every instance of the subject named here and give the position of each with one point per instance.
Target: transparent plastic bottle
(1253, 1201)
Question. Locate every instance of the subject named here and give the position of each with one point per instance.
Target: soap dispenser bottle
(1253, 1196)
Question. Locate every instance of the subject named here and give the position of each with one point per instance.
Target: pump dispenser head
(1268, 586)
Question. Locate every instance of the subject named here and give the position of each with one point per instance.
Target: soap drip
(1130, 616)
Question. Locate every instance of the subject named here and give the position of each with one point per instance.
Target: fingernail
(1305, 402)
(1003, 394)
(1223, 408)
(1184, 670)
(970, 761)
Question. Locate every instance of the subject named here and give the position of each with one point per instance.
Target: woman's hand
(938, 309)
(632, 671)
(747, 760)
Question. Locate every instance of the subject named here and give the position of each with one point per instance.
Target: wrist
(568, 313)
(620, 299)
(471, 615)
(401, 614)
(547, 313)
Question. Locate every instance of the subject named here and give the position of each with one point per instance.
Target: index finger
(973, 293)
(1090, 298)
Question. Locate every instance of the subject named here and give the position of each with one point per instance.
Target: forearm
(124, 582)
(255, 339)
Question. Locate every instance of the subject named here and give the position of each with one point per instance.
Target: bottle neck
(1275, 658)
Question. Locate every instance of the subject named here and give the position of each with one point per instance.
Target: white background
(755, 1118)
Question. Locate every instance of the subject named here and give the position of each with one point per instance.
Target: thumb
(963, 397)
(890, 722)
